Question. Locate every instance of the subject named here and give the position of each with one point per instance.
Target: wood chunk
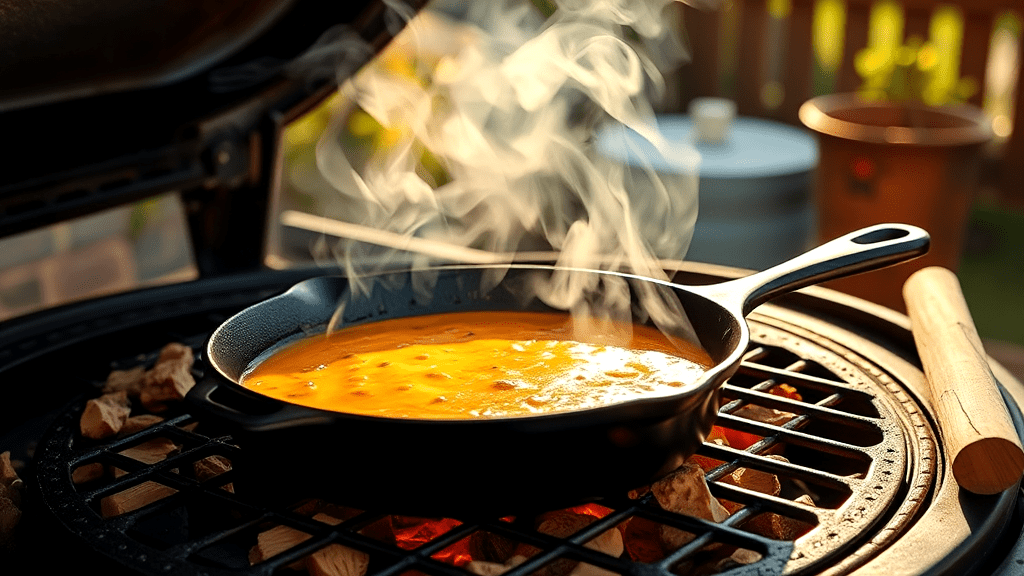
(169, 379)
(139, 423)
(326, 512)
(584, 569)
(10, 515)
(134, 498)
(562, 524)
(685, 491)
(11, 488)
(778, 527)
(765, 415)
(806, 500)
(786, 391)
(11, 493)
(151, 451)
(88, 473)
(175, 352)
(643, 541)
(274, 541)
(756, 480)
(770, 525)
(609, 542)
(211, 467)
(104, 416)
(381, 530)
(8, 475)
(337, 560)
(484, 568)
(638, 493)
(489, 547)
(327, 519)
(739, 557)
(707, 463)
(129, 381)
(673, 538)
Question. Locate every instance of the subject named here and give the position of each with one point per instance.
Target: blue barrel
(754, 199)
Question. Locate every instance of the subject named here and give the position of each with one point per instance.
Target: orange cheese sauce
(474, 365)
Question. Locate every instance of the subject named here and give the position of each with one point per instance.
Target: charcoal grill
(863, 442)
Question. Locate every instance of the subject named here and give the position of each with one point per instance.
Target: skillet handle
(859, 251)
(220, 399)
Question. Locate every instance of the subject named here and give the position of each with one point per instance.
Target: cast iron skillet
(501, 465)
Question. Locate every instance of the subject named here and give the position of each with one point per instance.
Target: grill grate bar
(139, 472)
(818, 410)
(189, 548)
(801, 380)
(169, 426)
(794, 437)
(726, 529)
(771, 503)
(735, 458)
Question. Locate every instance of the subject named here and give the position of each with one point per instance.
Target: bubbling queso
(473, 365)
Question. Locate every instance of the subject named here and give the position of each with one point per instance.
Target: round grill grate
(855, 443)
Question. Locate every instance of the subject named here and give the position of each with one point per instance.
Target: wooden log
(975, 426)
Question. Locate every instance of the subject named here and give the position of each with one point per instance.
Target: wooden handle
(973, 421)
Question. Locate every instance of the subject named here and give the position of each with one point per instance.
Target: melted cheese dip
(474, 364)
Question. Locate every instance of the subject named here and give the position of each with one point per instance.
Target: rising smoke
(505, 106)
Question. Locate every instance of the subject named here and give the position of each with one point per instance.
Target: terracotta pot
(895, 162)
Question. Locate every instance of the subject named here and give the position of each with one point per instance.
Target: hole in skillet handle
(883, 235)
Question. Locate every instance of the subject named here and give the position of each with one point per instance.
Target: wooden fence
(736, 50)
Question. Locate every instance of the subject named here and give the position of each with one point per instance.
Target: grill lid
(107, 102)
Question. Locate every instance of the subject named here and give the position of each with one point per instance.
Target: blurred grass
(992, 272)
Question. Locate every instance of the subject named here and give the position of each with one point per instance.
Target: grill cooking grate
(847, 447)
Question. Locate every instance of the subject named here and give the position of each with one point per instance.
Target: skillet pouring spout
(478, 467)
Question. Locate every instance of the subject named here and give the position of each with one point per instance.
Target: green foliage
(908, 73)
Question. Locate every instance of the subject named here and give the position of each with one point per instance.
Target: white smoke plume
(508, 103)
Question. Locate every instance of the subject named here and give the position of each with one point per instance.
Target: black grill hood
(106, 102)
